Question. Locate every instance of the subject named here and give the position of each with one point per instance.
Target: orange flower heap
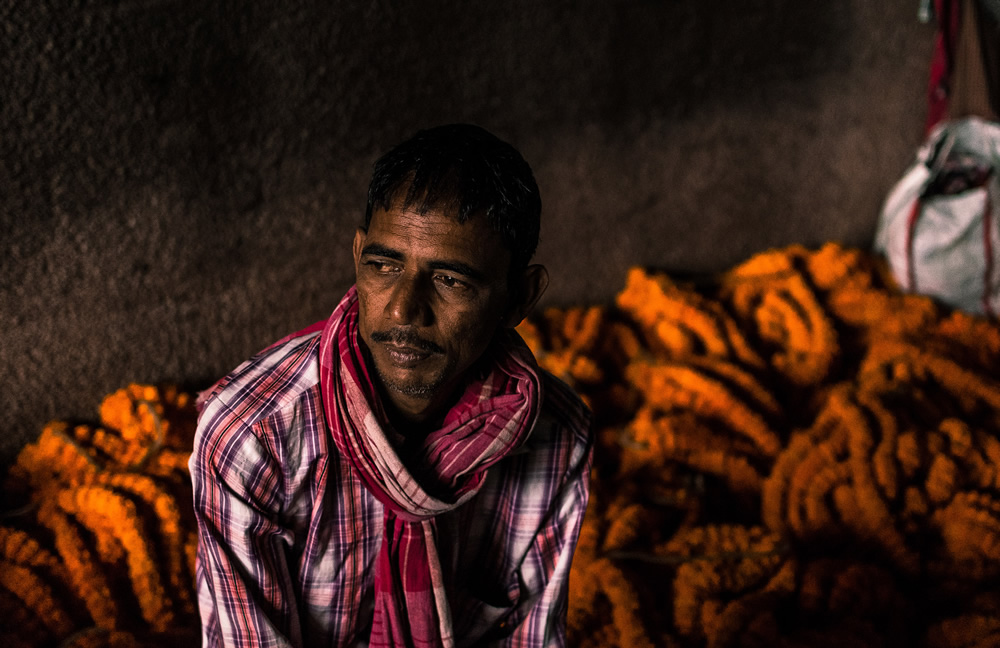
(715, 563)
(824, 486)
(711, 391)
(100, 544)
(589, 348)
(679, 322)
(899, 458)
(606, 599)
(772, 291)
(27, 574)
(887, 453)
(570, 340)
(859, 293)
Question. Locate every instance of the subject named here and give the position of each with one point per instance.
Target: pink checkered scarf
(493, 417)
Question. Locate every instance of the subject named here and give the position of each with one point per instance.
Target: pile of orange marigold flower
(98, 536)
(791, 453)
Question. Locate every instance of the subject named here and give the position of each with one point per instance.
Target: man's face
(432, 293)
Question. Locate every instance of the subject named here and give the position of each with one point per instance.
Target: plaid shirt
(272, 495)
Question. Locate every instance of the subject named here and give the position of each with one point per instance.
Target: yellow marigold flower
(677, 386)
(723, 561)
(681, 322)
(118, 515)
(772, 292)
(137, 413)
(657, 438)
(37, 596)
(975, 630)
(86, 577)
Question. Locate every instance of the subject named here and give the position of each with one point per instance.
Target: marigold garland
(679, 322)
(170, 532)
(854, 475)
(86, 578)
(976, 394)
(37, 596)
(54, 459)
(19, 548)
(771, 291)
(657, 439)
(977, 338)
(588, 348)
(970, 529)
(834, 269)
(21, 627)
(722, 560)
(106, 513)
(107, 524)
(675, 385)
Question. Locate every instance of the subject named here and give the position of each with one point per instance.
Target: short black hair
(466, 168)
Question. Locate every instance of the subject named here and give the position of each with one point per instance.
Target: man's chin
(413, 390)
(411, 387)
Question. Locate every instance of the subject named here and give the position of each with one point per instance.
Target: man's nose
(408, 303)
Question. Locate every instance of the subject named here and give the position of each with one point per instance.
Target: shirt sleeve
(245, 590)
(551, 553)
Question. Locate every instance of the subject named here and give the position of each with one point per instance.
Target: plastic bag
(939, 226)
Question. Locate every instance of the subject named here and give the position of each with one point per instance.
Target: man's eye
(449, 282)
(380, 266)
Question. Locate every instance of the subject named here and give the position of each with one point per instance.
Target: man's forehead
(443, 220)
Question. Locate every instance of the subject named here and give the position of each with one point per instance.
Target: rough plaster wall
(180, 181)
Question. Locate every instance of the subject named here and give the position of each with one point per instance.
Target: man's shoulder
(559, 401)
(273, 380)
(260, 425)
(564, 418)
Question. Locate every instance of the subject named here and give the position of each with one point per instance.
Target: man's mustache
(406, 337)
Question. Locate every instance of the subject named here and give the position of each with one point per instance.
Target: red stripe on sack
(911, 224)
(988, 251)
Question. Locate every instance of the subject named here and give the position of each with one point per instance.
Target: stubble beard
(413, 388)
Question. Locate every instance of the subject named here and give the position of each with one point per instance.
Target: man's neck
(416, 418)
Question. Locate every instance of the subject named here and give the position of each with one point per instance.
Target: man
(403, 473)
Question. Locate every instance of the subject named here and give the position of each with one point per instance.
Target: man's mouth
(405, 343)
(404, 356)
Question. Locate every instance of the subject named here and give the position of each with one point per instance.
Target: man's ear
(359, 244)
(525, 292)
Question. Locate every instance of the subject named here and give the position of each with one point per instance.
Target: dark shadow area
(180, 181)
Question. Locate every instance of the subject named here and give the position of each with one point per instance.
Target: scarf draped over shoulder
(493, 417)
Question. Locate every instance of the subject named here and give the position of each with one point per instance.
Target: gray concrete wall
(180, 181)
